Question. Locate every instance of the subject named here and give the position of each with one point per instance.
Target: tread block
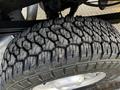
(58, 57)
(30, 63)
(97, 51)
(18, 69)
(105, 37)
(87, 38)
(97, 37)
(115, 50)
(22, 55)
(44, 58)
(49, 45)
(27, 45)
(40, 40)
(9, 74)
(76, 39)
(106, 50)
(12, 60)
(35, 50)
(86, 52)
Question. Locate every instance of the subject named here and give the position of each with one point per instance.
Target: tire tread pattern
(56, 43)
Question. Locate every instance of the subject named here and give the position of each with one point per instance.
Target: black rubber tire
(59, 48)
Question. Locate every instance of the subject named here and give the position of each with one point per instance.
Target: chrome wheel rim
(72, 82)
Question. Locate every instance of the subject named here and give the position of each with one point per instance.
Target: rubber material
(59, 48)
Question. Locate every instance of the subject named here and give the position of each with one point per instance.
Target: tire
(60, 48)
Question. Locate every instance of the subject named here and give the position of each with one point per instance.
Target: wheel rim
(72, 82)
